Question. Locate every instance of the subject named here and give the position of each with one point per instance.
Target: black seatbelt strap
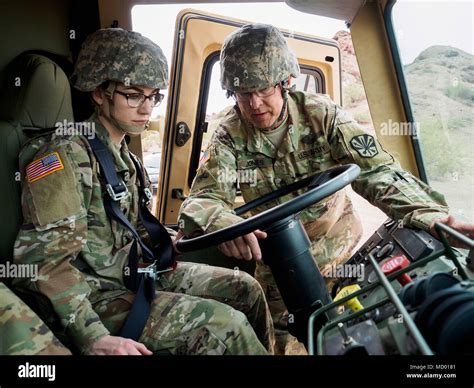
(160, 239)
(144, 295)
(35, 131)
(160, 257)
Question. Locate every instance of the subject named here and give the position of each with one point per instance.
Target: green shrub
(445, 152)
(362, 117)
(353, 93)
(451, 53)
(461, 93)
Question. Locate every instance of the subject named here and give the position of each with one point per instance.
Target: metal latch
(152, 272)
(178, 194)
(116, 196)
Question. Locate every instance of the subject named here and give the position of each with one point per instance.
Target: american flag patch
(44, 166)
(204, 157)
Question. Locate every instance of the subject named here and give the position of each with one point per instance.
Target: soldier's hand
(244, 247)
(461, 227)
(178, 237)
(110, 346)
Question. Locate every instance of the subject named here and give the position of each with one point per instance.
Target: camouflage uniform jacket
(319, 136)
(80, 253)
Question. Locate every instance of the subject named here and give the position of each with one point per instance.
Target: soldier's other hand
(244, 247)
(113, 346)
(178, 237)
(461, 227)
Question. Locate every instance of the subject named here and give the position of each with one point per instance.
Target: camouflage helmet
(114, 54)
(255, 57)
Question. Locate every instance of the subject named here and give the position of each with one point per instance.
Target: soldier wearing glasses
(81, 253)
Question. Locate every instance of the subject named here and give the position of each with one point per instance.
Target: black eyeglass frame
(158, 98)
(246, 96)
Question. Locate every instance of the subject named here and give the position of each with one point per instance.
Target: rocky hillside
(441, 79)
(441, 87)
(353, 94)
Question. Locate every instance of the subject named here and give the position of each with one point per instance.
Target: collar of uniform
(256, 141)
(116, 150)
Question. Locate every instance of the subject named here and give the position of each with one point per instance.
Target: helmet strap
(285, 94)
(282, 114)
(109, 91)
(127, 129)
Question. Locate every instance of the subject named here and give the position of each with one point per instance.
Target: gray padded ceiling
(337, 9)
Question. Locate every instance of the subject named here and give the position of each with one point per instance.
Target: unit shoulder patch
(365, 145)
(44, 166)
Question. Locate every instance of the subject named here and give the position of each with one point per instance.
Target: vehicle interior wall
(52, 26)
(33, 25)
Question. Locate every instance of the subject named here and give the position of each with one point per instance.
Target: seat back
(36, 94)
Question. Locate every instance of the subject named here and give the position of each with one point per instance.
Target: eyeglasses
(262, 93)
(135, 100)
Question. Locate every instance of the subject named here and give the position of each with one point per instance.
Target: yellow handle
(353, 303)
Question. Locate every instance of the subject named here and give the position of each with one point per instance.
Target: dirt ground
(371, 216)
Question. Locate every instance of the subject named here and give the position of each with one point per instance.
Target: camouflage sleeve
(22, 332)
(55, 203)
(382, 181)
(211, 200)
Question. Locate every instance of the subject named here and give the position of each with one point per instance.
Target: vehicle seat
(35, 94)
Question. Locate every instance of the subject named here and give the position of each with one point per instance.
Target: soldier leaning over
(286, 136)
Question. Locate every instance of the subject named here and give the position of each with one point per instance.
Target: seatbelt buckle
(152, 272)
(114, 195)
(149, 270)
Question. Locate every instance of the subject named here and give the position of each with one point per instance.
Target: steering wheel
(320, 186)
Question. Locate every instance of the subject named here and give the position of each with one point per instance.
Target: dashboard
(403, 292)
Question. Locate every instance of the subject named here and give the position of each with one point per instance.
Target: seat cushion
(36, 94)
(11, 139)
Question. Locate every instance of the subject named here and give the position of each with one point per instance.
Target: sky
(424, 23)
(419, 24)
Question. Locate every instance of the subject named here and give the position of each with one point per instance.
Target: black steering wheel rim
(321, 185)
